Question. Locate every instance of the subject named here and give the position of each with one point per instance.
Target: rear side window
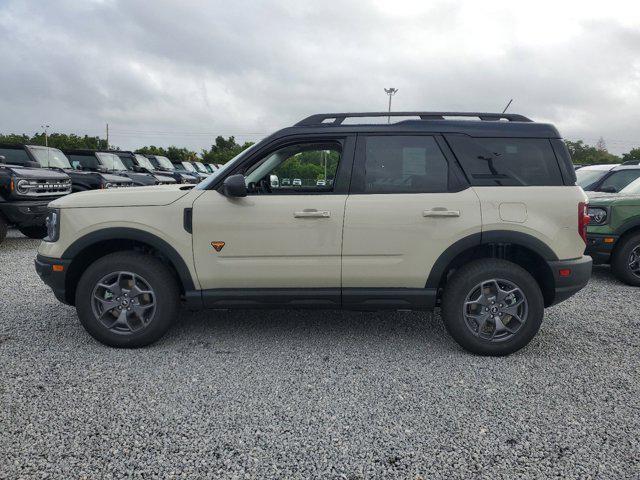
(506, 161)
(85, 161)
(404, 164)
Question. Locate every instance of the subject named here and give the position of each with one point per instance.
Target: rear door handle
(440, 212)
(312, 213)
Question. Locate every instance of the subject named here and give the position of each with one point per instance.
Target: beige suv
(479, 216)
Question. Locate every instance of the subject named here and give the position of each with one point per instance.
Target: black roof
(476, 124)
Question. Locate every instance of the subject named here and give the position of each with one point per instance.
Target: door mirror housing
(235, 186)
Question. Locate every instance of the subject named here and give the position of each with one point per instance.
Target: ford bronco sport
(164, 165)
(25, 192)
(613, 235)
(480, 217)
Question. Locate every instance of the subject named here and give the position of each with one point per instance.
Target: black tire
(35, 231)
(462, 284)
(4, 227)
(621, 258)
(165, 295)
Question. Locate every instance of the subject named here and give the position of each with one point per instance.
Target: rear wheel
(625, 262)
(492, 307)
(35, 231)
(127, 299)
(4, 227)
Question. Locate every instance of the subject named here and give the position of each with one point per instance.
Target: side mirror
(235, 186)
(275, 182)
(608, 190)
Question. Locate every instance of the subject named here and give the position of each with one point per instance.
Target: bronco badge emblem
(217, 245)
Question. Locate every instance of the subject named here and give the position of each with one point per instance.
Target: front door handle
(312, 213)
(440, 212)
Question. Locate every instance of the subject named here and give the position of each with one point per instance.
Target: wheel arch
(520, 248)
(89, 248)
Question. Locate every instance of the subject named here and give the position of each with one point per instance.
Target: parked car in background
(606, 178)
(164, 165)
(211, 168)
(107, 162)
(25, 192)
(321, 183)
(188, 167)
(613, 235)
(297, 182)
(52, 158)
(480, 217)
(136, 162)
(200, 168)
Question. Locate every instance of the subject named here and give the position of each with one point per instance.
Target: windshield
(632, 188)
(201, 167)
(111, 161)
(144, 162)
(50, 157)
(165, 162)
(204, 185)
(587, 177)
(188, 167)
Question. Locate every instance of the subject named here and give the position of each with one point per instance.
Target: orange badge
(217, 245)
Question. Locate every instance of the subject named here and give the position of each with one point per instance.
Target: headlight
(597, 215)
(23, 187)
(53, 226)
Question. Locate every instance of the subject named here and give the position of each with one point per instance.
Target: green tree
(223, 150)
(588, 155)
(57, 140)
(173, 153)
(633, 154)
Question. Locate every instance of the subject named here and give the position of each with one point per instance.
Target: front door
(285, 235)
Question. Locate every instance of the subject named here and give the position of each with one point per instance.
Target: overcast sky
(182, 72)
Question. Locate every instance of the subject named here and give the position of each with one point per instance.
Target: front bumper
(598, 249)
(54, 278)
(26, 213)
(570, 277)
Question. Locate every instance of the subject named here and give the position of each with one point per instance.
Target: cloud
(181, 72)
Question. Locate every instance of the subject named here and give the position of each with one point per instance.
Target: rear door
(408, 203)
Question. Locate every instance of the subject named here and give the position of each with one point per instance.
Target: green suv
(613, 235)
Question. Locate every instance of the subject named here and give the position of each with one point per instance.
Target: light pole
(46, 134)
(391, 92)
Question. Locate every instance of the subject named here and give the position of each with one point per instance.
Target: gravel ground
(288, 394)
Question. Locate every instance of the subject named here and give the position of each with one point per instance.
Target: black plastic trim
(271, 298)
(123, 233)
(187, 220)
(389, 298)
(565, 287)
(55, 280)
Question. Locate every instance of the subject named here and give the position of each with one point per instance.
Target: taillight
(583, 220)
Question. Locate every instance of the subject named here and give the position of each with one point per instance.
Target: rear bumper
(570, 276)
(26, 213)
(55, 279)
(598, 249)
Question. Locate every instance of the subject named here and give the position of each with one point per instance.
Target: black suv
(136, 162)
(25, 192)
(52, 158)
(107, 162)
(164, 165)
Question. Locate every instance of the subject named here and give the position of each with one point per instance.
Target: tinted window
(84, 161)
(506, 161)
(618, 180)
(14, 155)
(404, 164)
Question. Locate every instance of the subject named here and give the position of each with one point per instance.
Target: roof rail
(338, 118)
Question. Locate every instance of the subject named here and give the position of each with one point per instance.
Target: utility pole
(46, 134)
(107, 135)
(391, 92)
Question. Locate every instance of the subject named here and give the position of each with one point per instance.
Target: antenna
(508, 104)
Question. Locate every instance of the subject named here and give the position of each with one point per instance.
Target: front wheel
(127, 299)
(37, 232)
(492, 307)
(625, 262)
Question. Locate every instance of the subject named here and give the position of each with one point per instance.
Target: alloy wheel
(634, 261)
(123, 302)
(495, 310)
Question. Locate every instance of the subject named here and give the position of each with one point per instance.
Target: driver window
(299, 168)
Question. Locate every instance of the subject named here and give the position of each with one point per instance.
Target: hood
(36, 173)
(152, 196)
(112, 178)
(164, 178)
(601, 198)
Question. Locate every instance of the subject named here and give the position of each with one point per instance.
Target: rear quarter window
(507, 161)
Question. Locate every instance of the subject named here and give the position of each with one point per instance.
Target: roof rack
(338, 118)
